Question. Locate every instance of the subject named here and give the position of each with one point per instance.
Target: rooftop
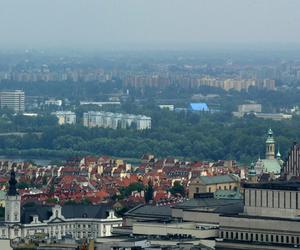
(276, 185)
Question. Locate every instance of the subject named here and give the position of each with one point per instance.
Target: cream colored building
(210, 184)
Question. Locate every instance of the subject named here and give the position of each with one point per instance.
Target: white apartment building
(65, 117)
(14, 100)
(93, 119)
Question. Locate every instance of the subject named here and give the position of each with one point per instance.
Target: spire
(12, 191)
(270, 138)
(278, 155)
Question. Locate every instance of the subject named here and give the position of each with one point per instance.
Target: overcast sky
(121, 23)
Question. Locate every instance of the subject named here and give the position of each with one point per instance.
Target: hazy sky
(121, 23)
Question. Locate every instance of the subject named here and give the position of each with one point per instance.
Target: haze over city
(134, 24)
(149, 124)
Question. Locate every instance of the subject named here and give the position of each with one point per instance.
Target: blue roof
(199, 106)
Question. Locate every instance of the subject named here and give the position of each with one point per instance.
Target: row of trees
(188, 135)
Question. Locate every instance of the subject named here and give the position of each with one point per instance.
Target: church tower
(12, 201)
(252, 177)
(270, 146)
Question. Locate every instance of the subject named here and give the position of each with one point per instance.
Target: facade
(65, 117)
(115, 120)
(270, 219)
(210, 184)
(14, 100)
(292, 166)
(73, 221)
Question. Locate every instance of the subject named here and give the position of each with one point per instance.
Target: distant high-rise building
(14, 100)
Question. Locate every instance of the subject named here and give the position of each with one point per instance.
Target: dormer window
(56, 213)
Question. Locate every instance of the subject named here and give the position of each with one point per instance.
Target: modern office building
(93, 119)
(13, 100)
(270, 219)
(65, 117)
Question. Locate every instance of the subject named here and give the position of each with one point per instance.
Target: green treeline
(189, 135)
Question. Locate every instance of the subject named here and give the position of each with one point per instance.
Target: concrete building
(93, 119)
(206, 209)
(275, 116)
(13, 100)
(73, 221)
(65, 117)
(210, 184)
(53, 102)
(169, 107)
(248, 108)
(270, 219)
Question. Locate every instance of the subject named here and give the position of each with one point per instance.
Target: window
(261, 237)
(256, 237)
(226, 235)
(197, 190)
(267, 237)
(242, 236)
(231, 235)
(272, 238)
(221, 234)
(209, 189)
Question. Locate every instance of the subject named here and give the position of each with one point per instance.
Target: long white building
(93, 119)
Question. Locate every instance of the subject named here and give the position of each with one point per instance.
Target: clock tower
(13, 201)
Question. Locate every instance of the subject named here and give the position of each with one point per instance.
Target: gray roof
(68, 211)
(85, 211)
(217, 179)
(43, 212)
(225, 206)
(150, 211)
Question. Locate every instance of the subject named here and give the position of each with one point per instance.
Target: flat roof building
(13, 100)
(270, 219)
